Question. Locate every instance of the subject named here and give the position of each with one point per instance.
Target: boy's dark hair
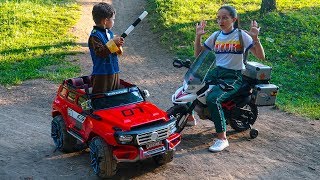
(101, 11)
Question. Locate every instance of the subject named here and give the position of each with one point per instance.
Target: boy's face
(108, 22)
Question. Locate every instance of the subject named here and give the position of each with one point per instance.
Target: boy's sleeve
(100, 49)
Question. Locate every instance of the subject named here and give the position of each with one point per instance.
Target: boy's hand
(118, 40)
(115, 45)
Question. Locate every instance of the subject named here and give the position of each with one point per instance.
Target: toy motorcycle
(240, 110)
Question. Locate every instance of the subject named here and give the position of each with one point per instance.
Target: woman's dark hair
(233, 14)
(101, 11)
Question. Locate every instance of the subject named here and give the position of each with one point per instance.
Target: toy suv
(117, 126)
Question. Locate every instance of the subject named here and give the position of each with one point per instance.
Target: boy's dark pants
(217, 95)
(104, 83)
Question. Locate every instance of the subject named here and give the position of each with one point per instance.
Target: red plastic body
(84, 126)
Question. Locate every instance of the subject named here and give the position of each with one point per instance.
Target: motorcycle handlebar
(177, 63)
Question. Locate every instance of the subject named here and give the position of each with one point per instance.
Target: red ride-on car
(117, 126)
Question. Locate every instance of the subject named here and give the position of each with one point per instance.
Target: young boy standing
(104, 50)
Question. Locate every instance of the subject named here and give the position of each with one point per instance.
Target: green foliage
(34, 39)
(290, 37)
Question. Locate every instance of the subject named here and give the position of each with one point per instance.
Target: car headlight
(172, 127)
(123, 139)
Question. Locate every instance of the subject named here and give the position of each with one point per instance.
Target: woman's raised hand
(200, 28)
(254, 30)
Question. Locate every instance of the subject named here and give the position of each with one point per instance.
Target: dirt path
(287, 147)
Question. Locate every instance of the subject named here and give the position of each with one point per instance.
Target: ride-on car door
(75, 115)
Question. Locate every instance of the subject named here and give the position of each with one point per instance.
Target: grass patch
(290, 37)
(35, 38)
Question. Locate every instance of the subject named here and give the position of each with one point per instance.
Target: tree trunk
(268, 6)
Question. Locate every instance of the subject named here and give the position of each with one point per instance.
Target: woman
(226, 44)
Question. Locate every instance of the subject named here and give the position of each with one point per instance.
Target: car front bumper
(128, 153)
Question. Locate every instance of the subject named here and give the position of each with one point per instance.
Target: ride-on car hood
(129, 116)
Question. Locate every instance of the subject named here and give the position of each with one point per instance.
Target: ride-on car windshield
(116, 98)
(200, 67)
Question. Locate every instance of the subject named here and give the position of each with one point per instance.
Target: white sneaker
(191, 121)
(219, 145)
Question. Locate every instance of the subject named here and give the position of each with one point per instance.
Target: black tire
(163, 158)
(102, 161)
(178, 111)
(62, 139)
(254, 133)
(241, 121)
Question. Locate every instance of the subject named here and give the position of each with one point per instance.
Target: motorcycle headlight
(190, 87)
(123, 139)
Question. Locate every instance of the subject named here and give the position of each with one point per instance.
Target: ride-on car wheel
(102, 161)
(179, 112)
(163, 158)
(61, 138)
(244, 117)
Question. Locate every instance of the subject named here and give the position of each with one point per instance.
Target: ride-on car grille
(152, 136)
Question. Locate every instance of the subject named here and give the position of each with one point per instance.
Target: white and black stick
(133, 25)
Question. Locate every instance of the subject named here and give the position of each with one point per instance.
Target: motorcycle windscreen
(200, 67)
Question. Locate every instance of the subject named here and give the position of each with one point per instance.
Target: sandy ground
(288, 147)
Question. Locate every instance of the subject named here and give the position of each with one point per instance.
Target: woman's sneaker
(219, 145)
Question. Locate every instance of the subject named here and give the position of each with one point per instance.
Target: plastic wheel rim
(94, 159)
(246, 119)
(241, 123)
(56, 135)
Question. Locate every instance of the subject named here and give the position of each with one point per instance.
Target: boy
(104, 50)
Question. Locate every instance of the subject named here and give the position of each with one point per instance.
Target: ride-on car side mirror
(145, 93)
(177, 63)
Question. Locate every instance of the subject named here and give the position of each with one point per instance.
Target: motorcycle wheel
(245, 117)
(179, 112)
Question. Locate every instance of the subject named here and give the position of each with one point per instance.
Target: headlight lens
(172, 127)
(190, 87)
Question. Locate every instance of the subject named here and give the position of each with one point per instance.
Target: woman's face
(225, 20)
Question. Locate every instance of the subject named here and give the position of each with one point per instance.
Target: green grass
(34, 39)
(290, 37)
